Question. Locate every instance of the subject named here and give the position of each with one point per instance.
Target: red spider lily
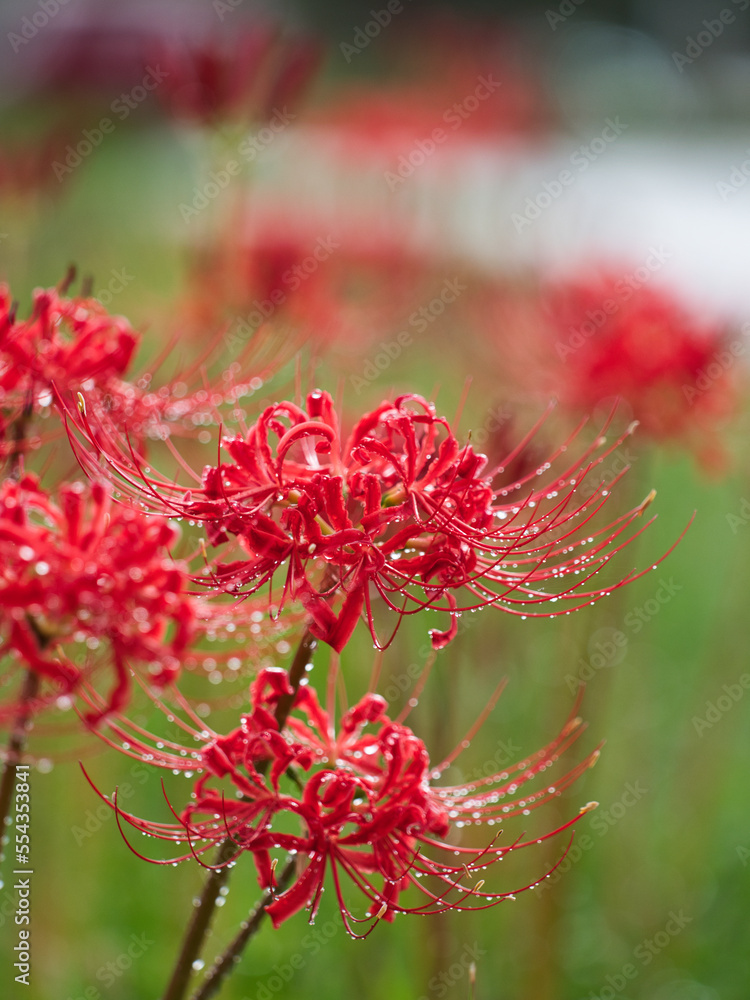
(65, 345)
(367, 809)
(602, 337)
(83, 573)
(315, 279)
(63, 341)
(73, 345)
(246, 76)
(400, 510)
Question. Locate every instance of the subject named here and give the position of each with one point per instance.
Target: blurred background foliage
(671, 835)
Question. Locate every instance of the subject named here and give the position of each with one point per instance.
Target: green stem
(201, 919)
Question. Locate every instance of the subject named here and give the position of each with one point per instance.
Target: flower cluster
(301, 523)
(64, 343)
(398, 509)
(84, 574)
(368, 807)
(396, 517)
(591, 340)
(72, 353)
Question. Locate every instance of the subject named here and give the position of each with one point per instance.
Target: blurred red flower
(590, 340)
(245, 76)
(64, 342)
(82, 574)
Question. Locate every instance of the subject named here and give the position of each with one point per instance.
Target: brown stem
(18, 441)
(297, 671)
(16, 745)
(231, 956)
(30, 689)
(201, 919)
(199, 924)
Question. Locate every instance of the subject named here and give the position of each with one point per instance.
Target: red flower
(277, 272)
(400, 510)
(603, 338)
(72, 350)
(66, 345)
(468, 80)
(368, 809)
(244, 76)
(85, 574)
(64, 342)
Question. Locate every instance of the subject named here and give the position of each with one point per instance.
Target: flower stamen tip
(648, 501)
